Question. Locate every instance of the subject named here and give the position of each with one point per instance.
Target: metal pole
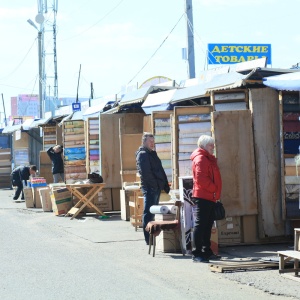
(190, 38)
(78, 84)
(5, 120)
(40, 74)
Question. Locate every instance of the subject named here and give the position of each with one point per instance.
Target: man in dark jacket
(57, 162)
(153, 177)
(18, 175)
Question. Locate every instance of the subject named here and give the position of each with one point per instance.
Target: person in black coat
(57, 163)
(18, 175)
(153, 178)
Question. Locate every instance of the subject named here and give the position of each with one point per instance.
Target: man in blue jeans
(153, 177)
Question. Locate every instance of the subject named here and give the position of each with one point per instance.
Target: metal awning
(39, 122)
(113, 110)
(95, 110)
(158, 101)
(260, 73)
(141, 94)
(189, 93)
(285, 82)
(12, 128)
(226, 81)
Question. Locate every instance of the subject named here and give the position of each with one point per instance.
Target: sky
(121, 43)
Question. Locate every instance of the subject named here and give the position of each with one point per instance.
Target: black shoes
(199, 259)
(214, 257)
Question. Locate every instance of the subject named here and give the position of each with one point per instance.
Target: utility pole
(78, 84)
(5, 120)
(190, 38)
(92, 94)
(41, 96)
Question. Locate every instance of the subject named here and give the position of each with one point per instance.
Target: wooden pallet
(222, 267)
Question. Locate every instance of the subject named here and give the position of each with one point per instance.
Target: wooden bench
(288, 255)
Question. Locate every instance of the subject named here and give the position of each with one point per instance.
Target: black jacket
(151, 171)
(57, 161)
(20, 173)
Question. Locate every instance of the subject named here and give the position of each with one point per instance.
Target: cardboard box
(62, 206)
(230, 231)
(28, 197)
(104, 201)
(166, 242)
(116, 199)
(61, 200)
(60, 193)
(45, 199)
(250, 229)
(36, 197)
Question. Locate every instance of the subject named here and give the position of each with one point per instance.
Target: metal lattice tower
(49, 55)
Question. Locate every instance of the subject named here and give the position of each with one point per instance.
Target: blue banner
(237, 53)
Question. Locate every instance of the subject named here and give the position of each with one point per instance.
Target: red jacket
(207, 182)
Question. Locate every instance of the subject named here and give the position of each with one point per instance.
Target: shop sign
(76, 106)
(237, 53)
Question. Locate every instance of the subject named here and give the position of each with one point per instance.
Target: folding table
(85, 199)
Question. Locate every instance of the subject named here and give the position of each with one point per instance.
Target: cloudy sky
(113, 40)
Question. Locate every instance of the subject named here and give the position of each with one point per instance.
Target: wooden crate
(5, 168)
(136, 205)
(92, 165)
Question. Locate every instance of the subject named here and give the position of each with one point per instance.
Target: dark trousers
(151, 197)
(19, 190)
(204, 219)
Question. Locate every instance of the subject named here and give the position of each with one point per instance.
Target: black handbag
(95, 178)
(219, 211)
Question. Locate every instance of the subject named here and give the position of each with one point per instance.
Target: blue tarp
(285, 82)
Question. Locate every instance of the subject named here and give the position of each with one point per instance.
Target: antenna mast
(49, 58)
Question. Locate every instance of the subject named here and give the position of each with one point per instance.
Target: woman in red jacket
(207, 185)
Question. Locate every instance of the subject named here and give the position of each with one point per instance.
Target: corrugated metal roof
(113, 110)
(187, 93)
(140, 95)
(37, 123)
(11, 128)
(226, 81)
(96, 109)
(135, 96)
(158, 101)
(285, 82)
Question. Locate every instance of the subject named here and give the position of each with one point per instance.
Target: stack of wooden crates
(5, 168)
(291, 142)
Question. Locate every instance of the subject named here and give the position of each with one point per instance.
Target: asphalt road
(49, 257)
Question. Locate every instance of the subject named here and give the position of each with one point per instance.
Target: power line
(156, 50)
(101, 19)
(18, 66)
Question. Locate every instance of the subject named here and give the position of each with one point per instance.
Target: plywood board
(264, 105)
(109, 144)
(129, 145)
(23, 142)
(235, 153)
(147, 124)
(132, 123)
